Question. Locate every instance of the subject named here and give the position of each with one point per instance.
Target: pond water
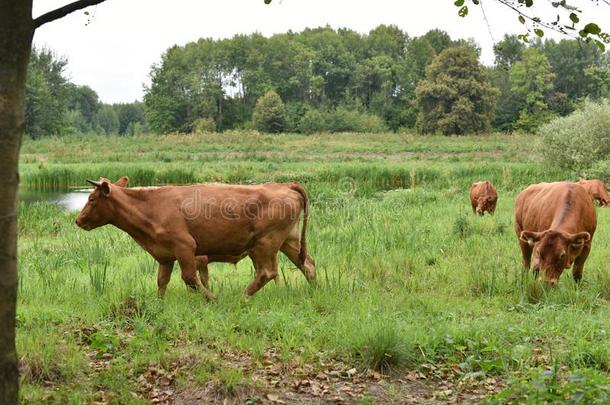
(73, 200)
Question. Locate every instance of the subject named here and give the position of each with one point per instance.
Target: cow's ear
(105, 187)
(530, 237)
(122, 182)
(579, 239)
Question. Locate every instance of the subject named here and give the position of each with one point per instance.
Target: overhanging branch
(64, 11)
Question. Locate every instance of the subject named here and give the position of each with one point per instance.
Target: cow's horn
(94, 183)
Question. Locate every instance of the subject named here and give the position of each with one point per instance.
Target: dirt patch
(277, 382)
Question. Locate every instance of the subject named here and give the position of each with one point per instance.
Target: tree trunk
(16, 31)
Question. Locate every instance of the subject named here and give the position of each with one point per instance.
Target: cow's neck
(130, 216)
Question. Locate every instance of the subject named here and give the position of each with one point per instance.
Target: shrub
(312, 121)
(344, 119)
(600, 170)
(293, 113)
(269, 113)
(579, 141)
(204, 125)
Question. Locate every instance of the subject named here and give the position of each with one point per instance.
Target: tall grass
(409, 277)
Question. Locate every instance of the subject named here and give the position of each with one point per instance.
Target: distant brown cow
(555, 221)
(597, 191)
(203, 223)
(483, 197)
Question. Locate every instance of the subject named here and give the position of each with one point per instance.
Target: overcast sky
(112, 49)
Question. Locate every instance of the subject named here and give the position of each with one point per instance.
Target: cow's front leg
(526, 253)
(163, 276)
(579, 263)
(188, 267)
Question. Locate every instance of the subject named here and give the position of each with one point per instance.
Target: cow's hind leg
(163, 276)
(579, 263)
(265, 264)
(188, 267)
(202, 268)
(291, 249)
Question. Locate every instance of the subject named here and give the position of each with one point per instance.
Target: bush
(531, 121)
(579, 141)
(294, 112)
(347, 120)
(269, 113)
(600, 170)
(204, 125)
(311, 122)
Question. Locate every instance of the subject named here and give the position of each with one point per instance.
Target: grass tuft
(382, 349)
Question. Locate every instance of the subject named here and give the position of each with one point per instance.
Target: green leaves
(592, 28)
(267, 1)
(463, 11)
(542, 22)
(600, 45)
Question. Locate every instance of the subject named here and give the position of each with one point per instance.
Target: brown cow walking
(555, 222)
(483, 197)
(209, 222)
(597, 191)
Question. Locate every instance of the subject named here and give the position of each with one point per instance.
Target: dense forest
(332, 80)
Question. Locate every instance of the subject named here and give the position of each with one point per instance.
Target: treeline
(55, 106)
(336, 80)
(342, 80)
(323, 76)
(545, 80)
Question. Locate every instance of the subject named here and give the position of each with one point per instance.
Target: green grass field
(418, 297)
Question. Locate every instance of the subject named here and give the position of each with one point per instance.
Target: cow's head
(554, 251)
(99, 208)
(485, 203)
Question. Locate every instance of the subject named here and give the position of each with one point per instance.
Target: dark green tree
(456, 96)
(569, 60)
(507, 52)
(269, 113)
(85, 100)
(130, 115)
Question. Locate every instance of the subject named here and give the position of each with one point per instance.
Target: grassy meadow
(418, 297)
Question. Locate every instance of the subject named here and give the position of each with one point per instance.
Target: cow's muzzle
(552, 282)
(79, 222)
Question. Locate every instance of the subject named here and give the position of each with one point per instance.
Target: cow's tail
(303, 252)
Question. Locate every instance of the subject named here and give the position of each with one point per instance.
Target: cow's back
(226, 219)
(563, 205)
